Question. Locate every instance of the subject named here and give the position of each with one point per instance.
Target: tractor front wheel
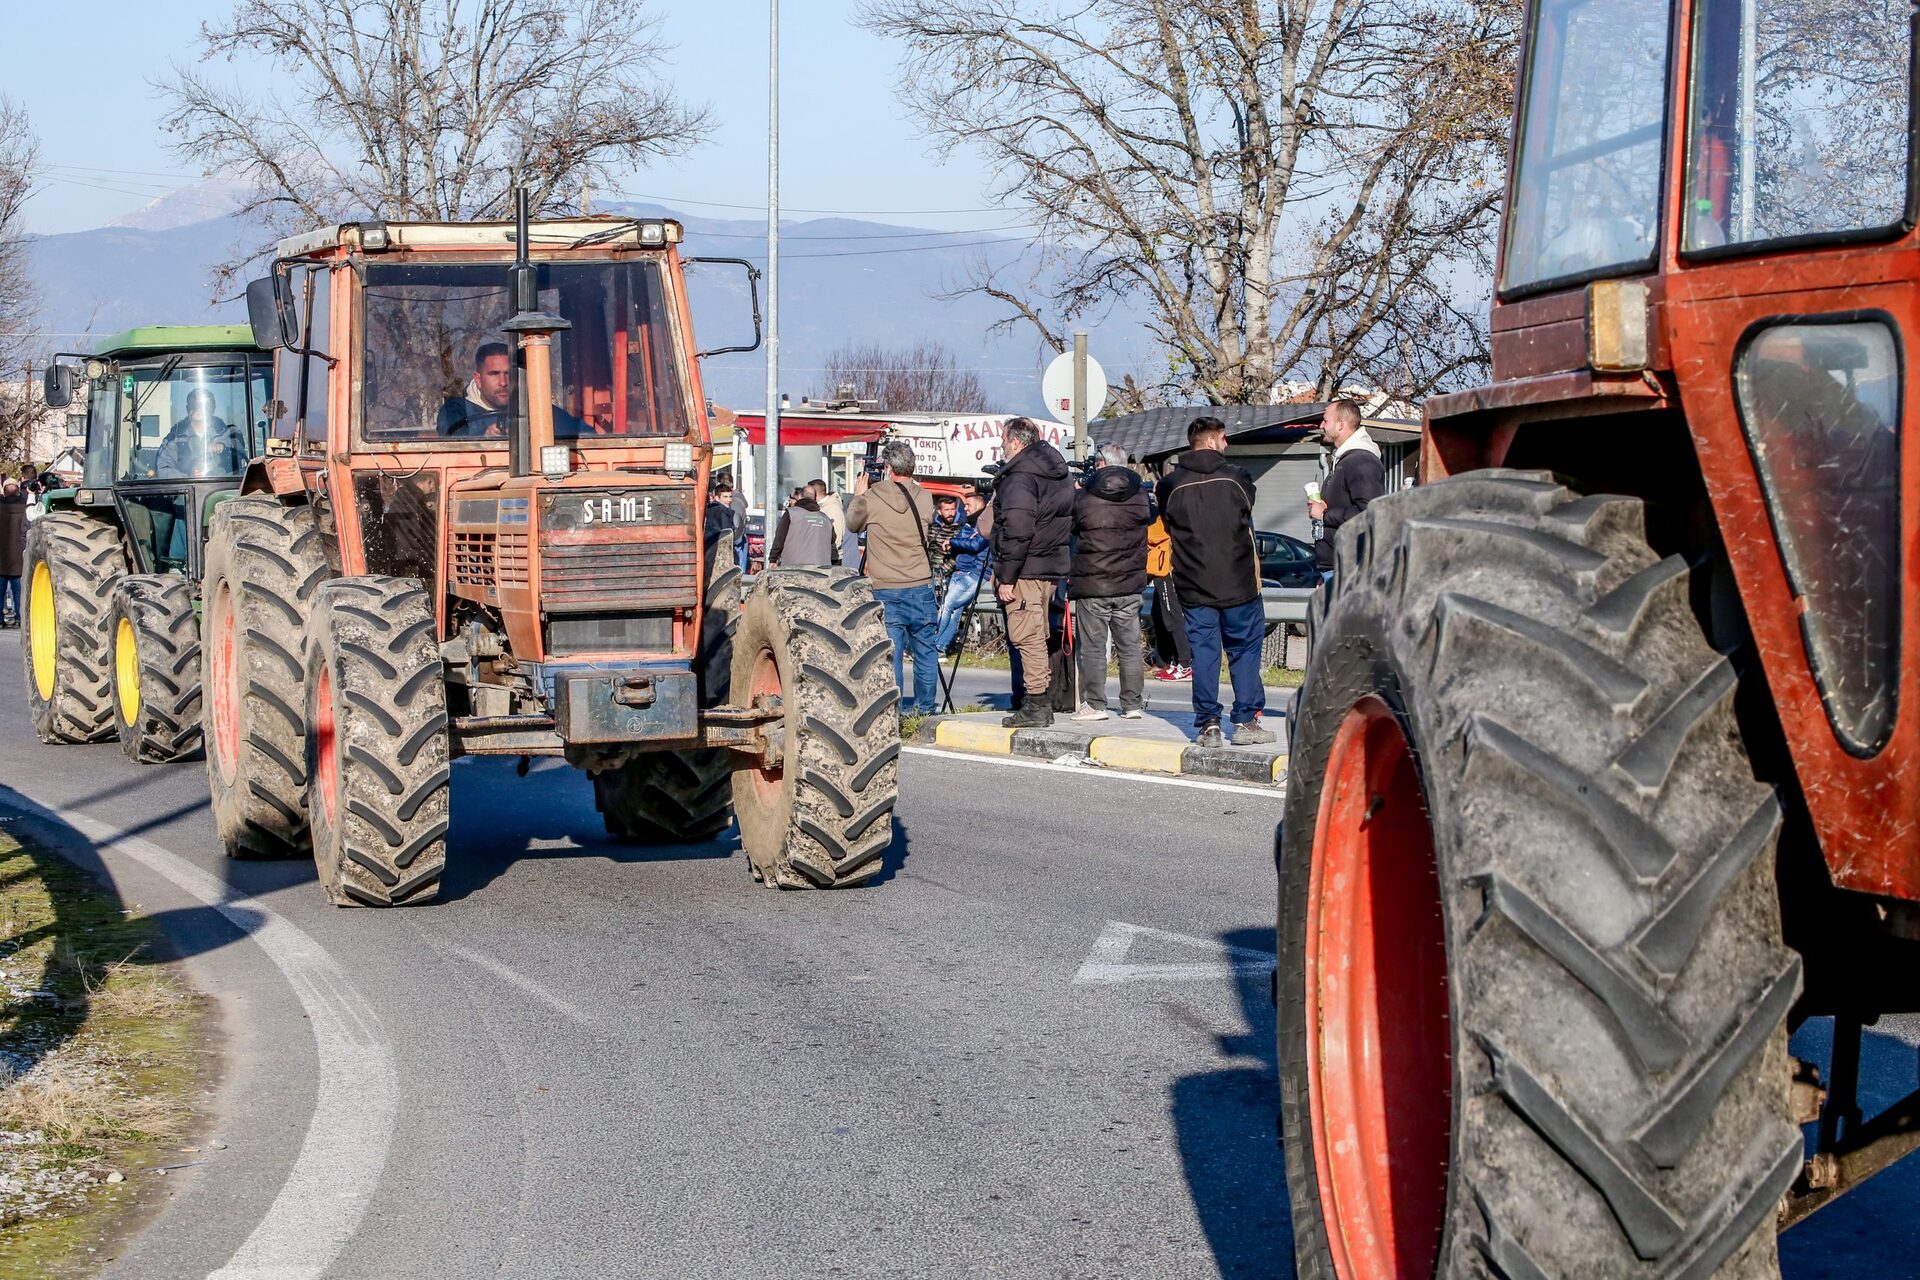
(1532, 990)
(264, 563)
(377, 756)
(156, 668)
(72, 562)
(818, 813)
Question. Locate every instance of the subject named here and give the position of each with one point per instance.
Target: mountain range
(843, 281)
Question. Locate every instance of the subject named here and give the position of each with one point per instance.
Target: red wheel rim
(1379, 1054)
(771, 775)
(326, 767)
(224, 690)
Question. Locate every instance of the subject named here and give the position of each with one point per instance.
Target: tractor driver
(483, 410)
(200, 444)
(486, 407)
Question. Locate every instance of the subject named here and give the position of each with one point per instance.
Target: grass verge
(100, 1065)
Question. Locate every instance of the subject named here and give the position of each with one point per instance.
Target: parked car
(1289, 576)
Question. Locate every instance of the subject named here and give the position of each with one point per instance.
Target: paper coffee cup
(1313, 490)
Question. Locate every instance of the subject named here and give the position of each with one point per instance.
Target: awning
(800, 429)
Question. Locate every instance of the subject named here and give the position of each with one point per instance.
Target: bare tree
(429, 110)
(19, 151)
(921, 378)
(1305, 189)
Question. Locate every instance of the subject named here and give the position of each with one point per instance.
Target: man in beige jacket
(894, 513)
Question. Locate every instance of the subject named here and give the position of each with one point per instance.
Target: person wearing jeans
(1207, 503)
(894, 514)
(972, 555)
(13, 549)
(1108, 577)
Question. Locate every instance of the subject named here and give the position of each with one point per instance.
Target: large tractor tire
(683, 797)
(264, 563)
(156, 668)
(1531, 983)
(819, 816)
(377, 755)
(72, 562)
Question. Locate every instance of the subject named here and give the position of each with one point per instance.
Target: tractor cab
(174, 413)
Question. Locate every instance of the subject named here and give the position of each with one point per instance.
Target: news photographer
(894, 511)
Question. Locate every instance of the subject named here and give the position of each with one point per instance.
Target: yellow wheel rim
(42, 635)
(126, 671)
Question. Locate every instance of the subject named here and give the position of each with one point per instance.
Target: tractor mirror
(59, 387)
(271, 312)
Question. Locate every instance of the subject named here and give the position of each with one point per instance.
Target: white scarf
(1358, 440)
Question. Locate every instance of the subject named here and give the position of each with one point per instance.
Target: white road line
(1107, 964)
(339, 1164)
(520, 980)
(1094, 771)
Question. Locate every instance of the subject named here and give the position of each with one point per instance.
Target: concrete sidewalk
(1160, 743)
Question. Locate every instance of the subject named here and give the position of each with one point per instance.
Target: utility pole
(1079, 395)
(773, 268)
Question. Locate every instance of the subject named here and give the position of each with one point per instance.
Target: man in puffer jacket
(972, 554)
(1110, 519)
(1032, 532)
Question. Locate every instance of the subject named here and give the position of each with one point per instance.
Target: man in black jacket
(1357, 478)
(1110, 519)
(1032, 531)
(1207, 503)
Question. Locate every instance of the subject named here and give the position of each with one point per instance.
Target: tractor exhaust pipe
(532, 432)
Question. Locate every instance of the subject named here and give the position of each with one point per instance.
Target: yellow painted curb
(1142, 754)
(1279, 769)
(966, 735)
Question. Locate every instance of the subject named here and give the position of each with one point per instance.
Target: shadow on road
(1226, 1124)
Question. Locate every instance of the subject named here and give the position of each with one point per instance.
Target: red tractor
(1600, 778)
(483, 533)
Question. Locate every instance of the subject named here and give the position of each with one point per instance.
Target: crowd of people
(1049, 545)
(19, 498)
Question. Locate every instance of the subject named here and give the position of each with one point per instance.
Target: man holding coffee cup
(1357, 477)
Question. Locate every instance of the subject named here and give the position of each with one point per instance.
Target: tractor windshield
(183, 421)
(439, 367)
(1586, 186)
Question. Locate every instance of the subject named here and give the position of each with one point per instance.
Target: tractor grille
(511, 559)
(617, 552)
(611, 633)
(472, 559)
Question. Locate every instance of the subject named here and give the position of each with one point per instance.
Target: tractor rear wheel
(264, 563)
(156, 668)
(1531, 982)
(819, 814)
(683, 797)
(377, 755)
(72, 562)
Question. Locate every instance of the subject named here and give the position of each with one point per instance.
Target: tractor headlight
(653, 233)
(680, 458)
(556, 460)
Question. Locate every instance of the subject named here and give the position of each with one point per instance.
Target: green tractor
(173, 414)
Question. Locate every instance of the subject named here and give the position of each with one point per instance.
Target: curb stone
(1254, 766)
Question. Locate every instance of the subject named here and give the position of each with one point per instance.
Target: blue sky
(847, 144)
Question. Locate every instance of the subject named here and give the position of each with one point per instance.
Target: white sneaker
(1090, 713)
(1135, 714)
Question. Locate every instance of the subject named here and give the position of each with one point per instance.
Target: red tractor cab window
(1799, 123)
(438, 365)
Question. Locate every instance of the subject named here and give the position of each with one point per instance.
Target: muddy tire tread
(85, 558)
(166, 631)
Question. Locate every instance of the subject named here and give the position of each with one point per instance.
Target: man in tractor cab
(201, 444)
(486, 408)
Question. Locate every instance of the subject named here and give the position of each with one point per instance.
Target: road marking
(1107, 965)
(1095, 771)
(516, 979)
(326, 1193)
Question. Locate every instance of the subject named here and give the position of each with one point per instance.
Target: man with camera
(894, 512)
(1032, 534)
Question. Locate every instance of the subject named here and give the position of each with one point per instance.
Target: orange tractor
(1601, 782)
(483, 532)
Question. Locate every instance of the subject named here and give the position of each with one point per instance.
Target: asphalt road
(590, 1060)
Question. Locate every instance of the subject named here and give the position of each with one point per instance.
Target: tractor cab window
(438, 366)
(187, 422)
(103, 413)
(1799, 123)
(1586, 187)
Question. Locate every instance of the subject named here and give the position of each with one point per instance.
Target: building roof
(160, 338)
(1154, 433)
